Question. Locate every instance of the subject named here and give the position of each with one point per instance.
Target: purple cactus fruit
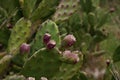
(69, 40)
(25, 48)
(72, 57)
(51, 44)
(108, 62)
(66, 52)
(46, 38)
(112, 10)
(9, 26)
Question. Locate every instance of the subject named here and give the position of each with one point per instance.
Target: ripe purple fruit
(46, 38)
(9, 26)
(25, 48)
(69, 40)
(70, 56)
(108, 62)
(112, 10)
(51, 44)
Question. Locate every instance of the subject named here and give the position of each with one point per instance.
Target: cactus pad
(47, 27)
(65, 9)
(44, 10)
(19, 35)
(4, 63)
(43, 63)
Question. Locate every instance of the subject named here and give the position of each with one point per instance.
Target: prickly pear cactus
(65, 9)
(44, 39)
(19, 35)
(46, 61)
(46, 27)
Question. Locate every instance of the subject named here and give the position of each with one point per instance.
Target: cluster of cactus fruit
(48, 39)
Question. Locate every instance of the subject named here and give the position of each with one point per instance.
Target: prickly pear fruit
(69, 40)
(108, 62)
(46, 38)
(51, 44)
(25, 48)
(70, 56)
(112, 10)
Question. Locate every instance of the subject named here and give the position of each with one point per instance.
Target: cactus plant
(57, 40)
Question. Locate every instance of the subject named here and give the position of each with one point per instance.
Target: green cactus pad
(45, 9)
(44, 63)
(19, 35)
(92, 19)
(4, 63)
(28, 7)
(47, 27)
(4, 36)
(65, 9)
(67, 71)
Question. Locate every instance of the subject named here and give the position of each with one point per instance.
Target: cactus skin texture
(19, 35)
(42, 63)
(65, 9)
(47, 27)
